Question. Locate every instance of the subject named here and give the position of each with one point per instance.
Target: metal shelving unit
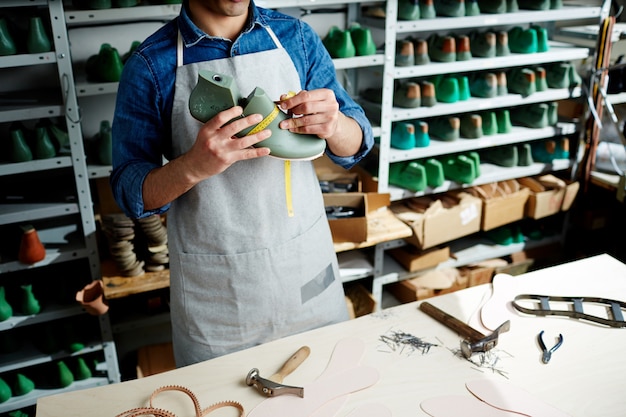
(68, 229)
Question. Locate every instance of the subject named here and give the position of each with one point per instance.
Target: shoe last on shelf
(464, 89)
(434, 172)
(483, 44)
(541, 84)
(37, 40)
(544, 151)
(420, 51)
(484, 85)
(403, 136)
(31, 249)
(459, 168)
(471, 126)
(472, 8)
(512, 6)
(5, 391)
(553, 113)
(422, 137)
(63, 375)
(428, 94)
(523, 41)
(43, 148)
(489, 123)
(427, 9)
(29, 305)
(6, 311)
(105, 66)
(405, 56)
(502, 44)
(542, 38)
(409, 175)
(463, 48)
(445, 128)
(126, 3)
(362, 39)
(534, 4)
(521, 81)
(504, 156)
(557, 75)
(533, 115)
(450, 8)
(408, 10)
(503, 85)
(22, 385)
(441, 48)
(446, 88)
(339, 43)
(492, 6)
(407, 95)
(20, 151)
(524, 155)
(7, 44)
(503, 118)
(104, 143)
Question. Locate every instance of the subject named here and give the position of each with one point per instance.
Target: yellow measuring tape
(262, 125)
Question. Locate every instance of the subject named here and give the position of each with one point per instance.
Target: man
(251, 255)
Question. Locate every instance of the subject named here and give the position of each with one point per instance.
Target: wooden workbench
(585, 378)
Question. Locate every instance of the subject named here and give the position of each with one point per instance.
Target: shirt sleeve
(319, 72)
(138, 134)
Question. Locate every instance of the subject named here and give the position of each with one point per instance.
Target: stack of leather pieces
(120, 233)
(156, 254)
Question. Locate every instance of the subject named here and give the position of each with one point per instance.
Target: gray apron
(251, 254)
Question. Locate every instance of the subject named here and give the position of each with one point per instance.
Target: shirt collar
(192, 34)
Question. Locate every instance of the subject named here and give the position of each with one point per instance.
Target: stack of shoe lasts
(156, 254)
(120, 233)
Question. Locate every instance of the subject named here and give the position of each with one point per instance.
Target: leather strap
(159, 412)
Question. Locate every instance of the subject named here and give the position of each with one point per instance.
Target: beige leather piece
(461, 405)
(506, 396)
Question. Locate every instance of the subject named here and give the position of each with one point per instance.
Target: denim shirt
(142, 125)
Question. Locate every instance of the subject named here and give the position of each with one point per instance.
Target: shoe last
(472, 8)
(542, 38)
(512, 6)
(442, 48)
(459, 168)
(428, 94)
(362, 40)
(471, 126)
(450, 8)
(524, 155)
(105, 66)
(492, 6)
(407, 95)
(483, 44)
(37, 40)
(446, 89)
(408, 10)
(557, 75)
(434, 172)
(212, 94)
(403, 136)
(533, 115)
(523, 41)
(7, 44)
(339, 43)
(464, 89)
(502, 44)
(463, 49)
(541, 84)
(126, 3)
(489, 123)
(534, 4)
(503, 86)
(409, 175)
(504, 156)
(427, 9)
(420, 48)
(553, 113)
(422, 137)
(445, 128)
(405, 55)
(522, 81)
(484, 85)
(503, 118)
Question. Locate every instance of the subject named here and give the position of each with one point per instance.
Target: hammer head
(468, 347)
(270, 388)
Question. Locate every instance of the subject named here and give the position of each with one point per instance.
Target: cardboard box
(353, 229)
(427, 285)
(503, 203)
(441, 222)
(334, 178)
(414, 259)
(548, 195)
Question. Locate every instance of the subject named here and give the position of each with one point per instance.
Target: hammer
(272, 386)
(474, 341)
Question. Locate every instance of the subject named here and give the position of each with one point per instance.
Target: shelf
(619, 98)
(559, 52)
(22, 3)
(116, 286)
(29, 399)
(162, 12)
(53, 255)
(30, 356)
(22, 60)
(22, 212)
(489, 173)
(99, 171)
(492, 20)
(48, 313)
(475, 104)
(359, 61)
(35, 165)
(517, 135)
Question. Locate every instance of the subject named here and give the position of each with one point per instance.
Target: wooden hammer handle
(292, 363)
(452, 322)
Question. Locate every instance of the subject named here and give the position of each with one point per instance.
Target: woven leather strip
(159, 412)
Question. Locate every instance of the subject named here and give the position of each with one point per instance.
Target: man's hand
(216, 147)
(316, 112)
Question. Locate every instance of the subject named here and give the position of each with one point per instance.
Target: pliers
(547, 353)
